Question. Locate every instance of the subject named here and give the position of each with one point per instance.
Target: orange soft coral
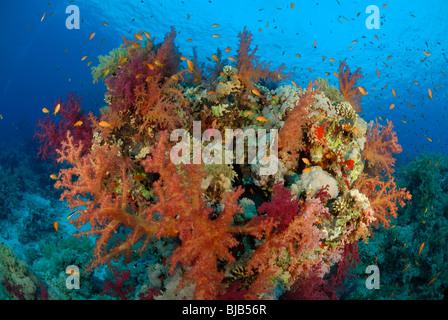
(383, 197)
(250, 68)
(291, 137)
(347, 85)
(381, 144)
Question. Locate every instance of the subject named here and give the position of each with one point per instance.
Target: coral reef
(225, 230)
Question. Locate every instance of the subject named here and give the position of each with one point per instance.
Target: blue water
(40, 61)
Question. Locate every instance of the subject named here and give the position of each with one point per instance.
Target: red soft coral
(347, 85)
(52, 133)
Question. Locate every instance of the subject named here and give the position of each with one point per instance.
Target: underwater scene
(223, 150)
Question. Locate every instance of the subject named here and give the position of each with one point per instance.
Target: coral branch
(347, 85)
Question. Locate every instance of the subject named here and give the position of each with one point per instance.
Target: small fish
(42, 19)
(190, 64)
(354, 41)
(332, 60)
(415, 82)
(215, 57)
(406, 267)
(45, 110)
(432, 279)
(83, 58)
(392, 106)
(105, 124)
(314, 44)
(227, 49)
(250, 113)
(421, 248)
(78, 123)
(430, 93)
(394, 93)
(362, 90)
(378, 72)
(183, 58)
(216, 36)
(262, 119)
(54, 177)
(148, 35)
(256, 92)
(292, 5)
(294, 84)
(429, 139)
(89, 63)
(215, 25)
(150, 66)
(56, 110)
(335, 74)
(70, 215)
(106, 72)
(56, 225)
(377, 37)
(231, 58)
(211, 92)
(158, 63)
(298, 55)
(427, 53)
(175, 77)
(91, 35)
(105, 24)
(139, 177)
(274, 98)
(389, 57)
(306, 170)
(189, 40)
(306, 161)
(138, 36)
(138, 75)
(123, 61)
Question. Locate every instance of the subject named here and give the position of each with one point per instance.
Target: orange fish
(83, 58)
(294, 84)
(250, 113)
(332, 60)
(421, 248)
(106, 72)
(216, 36)
(392, 106)
(78, 123)
(42, 19)
(56, 225)
(256, 92)
(138, 36)
(54, 177)
(122, 61)
(89, 63)
(389, 57)
(427, 53)
(215, 57)
(215, 25)
(45, 110)
(354, 41)
(394, 93)
(227, 49)
(430, 93)
(335, 74)
(190, 64)
(231, 58)
(306, 170)
(362, 90)
(58, 107)
(211, 92)
(158, 63)
(147, 34)
(105, 24)
(378, 72)
(292, 5)
(314, 44)
(406, 267)
(415, 82)
(306, 161)
(183, 58)
(298, 55)
(189, 40)
(262, 119)
(104, 124)
(377, 37)
(91, 35)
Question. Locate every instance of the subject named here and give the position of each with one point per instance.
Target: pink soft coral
(347, 85)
